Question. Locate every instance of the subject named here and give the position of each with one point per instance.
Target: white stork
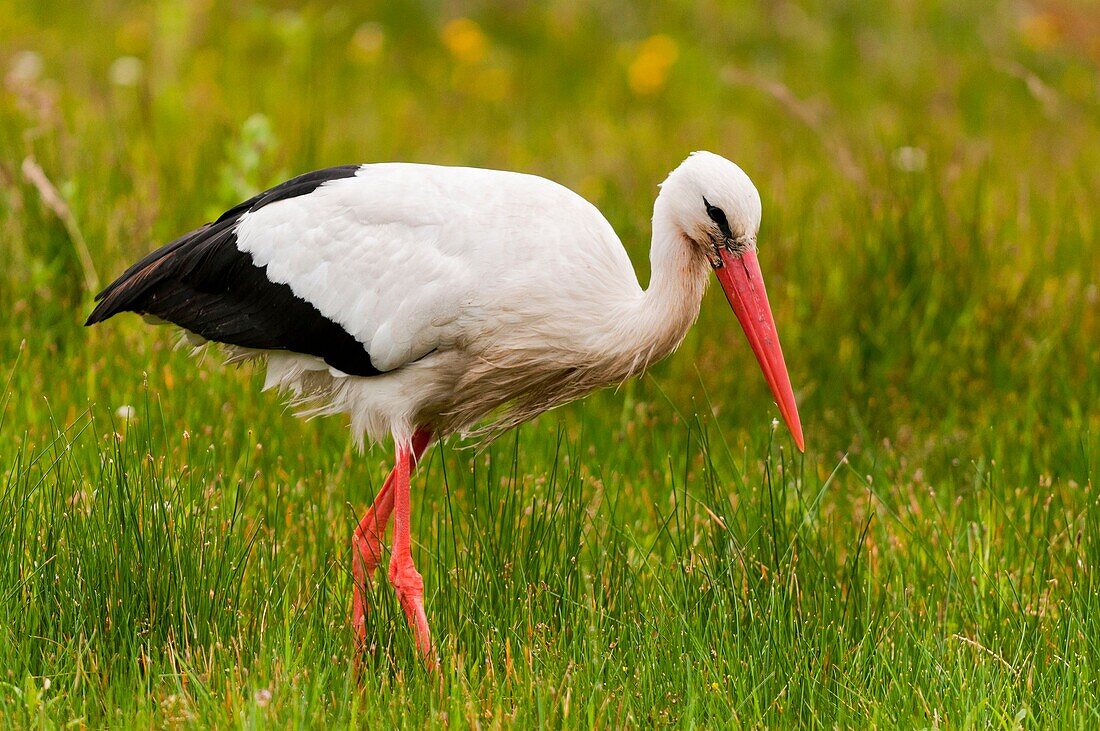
(422, 299)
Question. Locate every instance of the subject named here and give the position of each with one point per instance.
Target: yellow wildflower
(1040, 31)
(648, 71)
(465, 40)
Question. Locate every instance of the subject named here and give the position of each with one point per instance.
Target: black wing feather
(204, 283)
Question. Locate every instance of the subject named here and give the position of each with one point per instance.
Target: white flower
(910, 159)
(126, 71)
(26, 67)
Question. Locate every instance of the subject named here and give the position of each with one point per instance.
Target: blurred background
(928, 169)
(930, 176)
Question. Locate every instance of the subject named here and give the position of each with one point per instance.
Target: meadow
(174, 545)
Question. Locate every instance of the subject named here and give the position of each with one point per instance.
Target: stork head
(712, 202)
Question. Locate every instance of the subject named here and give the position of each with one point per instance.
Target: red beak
(744, 287)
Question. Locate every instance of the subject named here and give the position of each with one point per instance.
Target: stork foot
(366, 555)
(409, 586)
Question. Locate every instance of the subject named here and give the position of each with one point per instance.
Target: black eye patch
(719, 217)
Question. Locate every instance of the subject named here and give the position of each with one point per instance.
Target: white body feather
(474, 290)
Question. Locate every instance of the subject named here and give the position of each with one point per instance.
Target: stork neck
(677, 280)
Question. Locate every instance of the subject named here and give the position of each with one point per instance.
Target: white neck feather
(656, 323)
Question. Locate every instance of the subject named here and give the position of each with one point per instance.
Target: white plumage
(452, 278)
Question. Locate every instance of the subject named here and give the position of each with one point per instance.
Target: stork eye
(719, 217)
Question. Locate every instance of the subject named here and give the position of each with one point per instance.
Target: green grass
(653, 556)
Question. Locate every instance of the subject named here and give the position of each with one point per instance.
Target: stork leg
(368, 536)
(405, 578)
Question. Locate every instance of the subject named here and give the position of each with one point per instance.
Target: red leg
(368, 536)
(405, 578)
(367, 553)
